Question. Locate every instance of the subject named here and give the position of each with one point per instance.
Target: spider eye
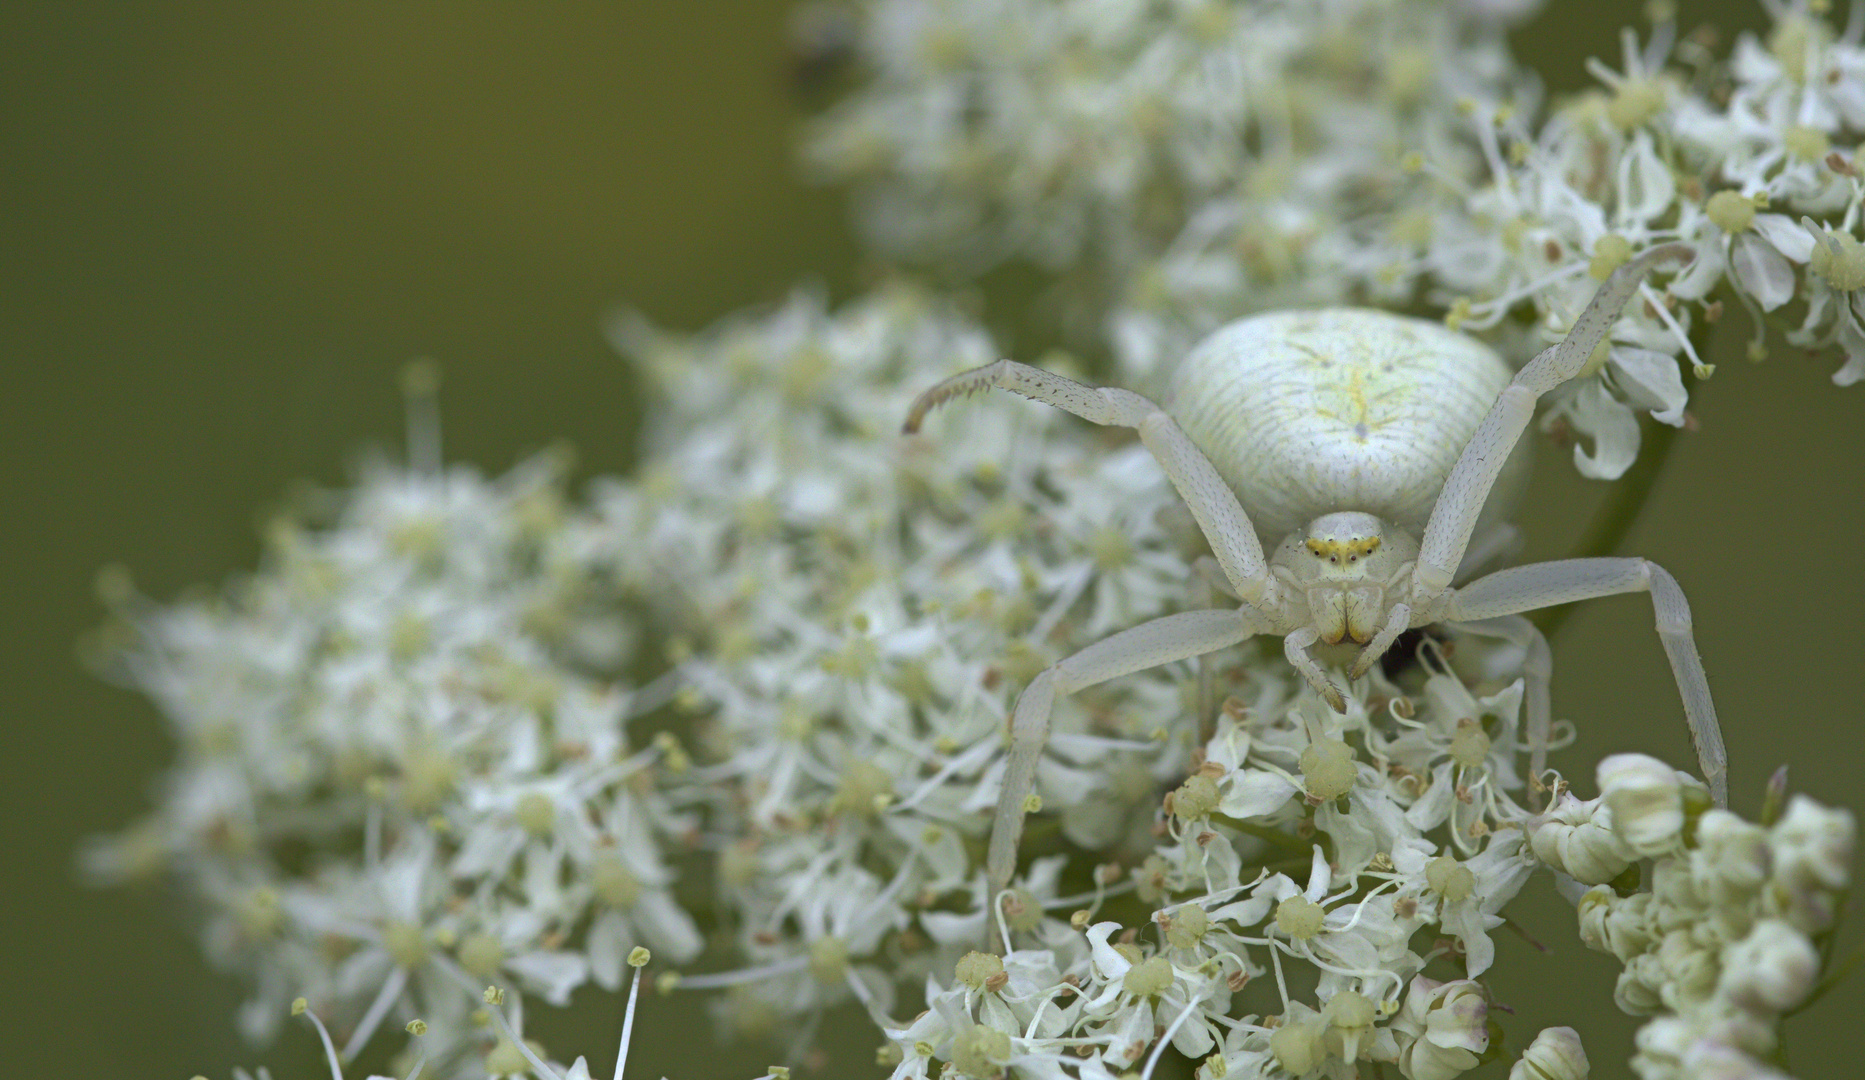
(1353, 558)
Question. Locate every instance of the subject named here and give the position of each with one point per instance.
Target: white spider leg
(1447, 533)
(1540, 585)
(1397, 623)
(1148, 645)
(1295, 647)
(1211, 501)
(1537, 670)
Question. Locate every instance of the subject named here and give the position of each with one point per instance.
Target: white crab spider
(1364, 447)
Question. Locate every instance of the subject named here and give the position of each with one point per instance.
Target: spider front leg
(1212, 503)
(1149, 645)
(1540, 585)
(1466, 489)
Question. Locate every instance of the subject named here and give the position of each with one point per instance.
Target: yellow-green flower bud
(828, 960)
(615, 884)
(1470, 746)
(981, 1051)
(481, 955)
(1188, 926)
(1610, 252)
(1298, 1047)
(1299, 917)
(976, 969)
(1840, 259)
(1730, 211)
(405, 943)
(1328, 769)
(535, 814)
(1149, 978)
(1450, 879)
(1195, 798)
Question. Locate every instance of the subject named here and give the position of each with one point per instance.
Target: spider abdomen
(1310, 412)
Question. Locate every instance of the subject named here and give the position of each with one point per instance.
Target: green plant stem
(1275, 837)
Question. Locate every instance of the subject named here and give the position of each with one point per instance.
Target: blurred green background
(226, 226)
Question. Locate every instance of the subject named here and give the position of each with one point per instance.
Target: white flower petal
(1787, 235)
(1651, 379)
(552, 975)
(1255, 793)
(1761, 271)
(1614, 430)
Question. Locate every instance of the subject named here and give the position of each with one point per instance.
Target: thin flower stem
(628, 1025)
(330, 1049)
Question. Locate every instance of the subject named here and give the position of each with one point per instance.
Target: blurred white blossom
(1204, 161)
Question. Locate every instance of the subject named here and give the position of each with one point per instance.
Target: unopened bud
(1646, 798)
(1774, 968)
(1556, 1054)
(1577, 839)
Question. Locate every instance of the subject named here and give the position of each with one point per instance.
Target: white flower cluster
(1280, 168)
(1087, 131)
(401, 779)
(415, 759)
(857, 612)
(402, 772)
(1403, 805)
(1726, 940)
